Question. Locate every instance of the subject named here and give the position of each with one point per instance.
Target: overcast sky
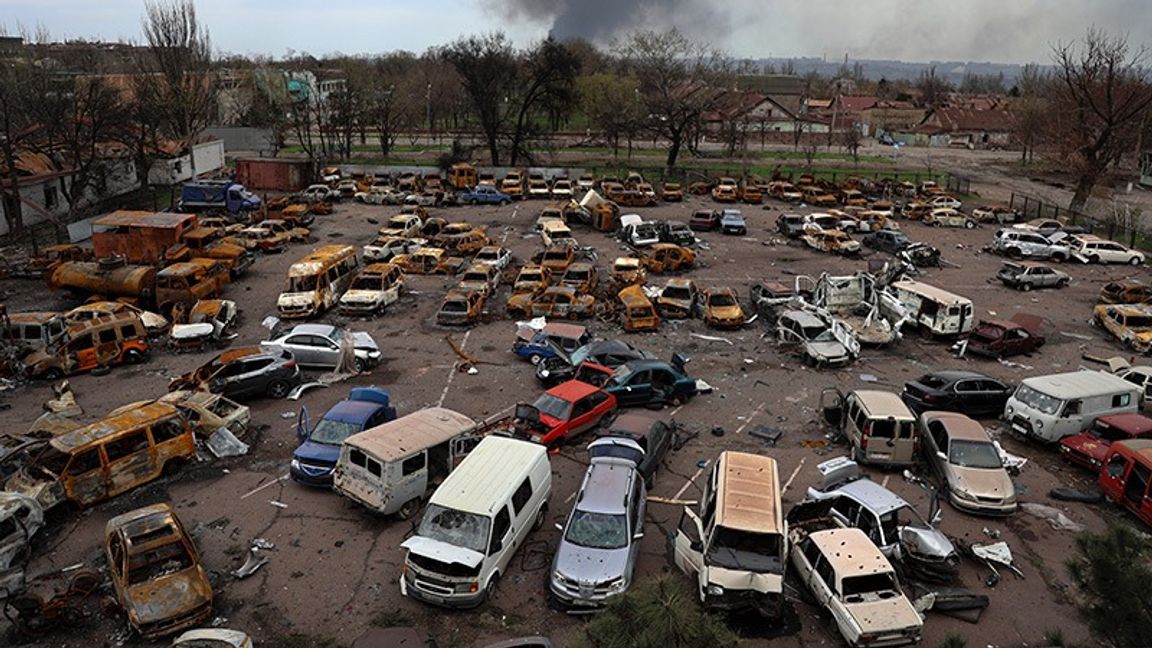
(1008, 31)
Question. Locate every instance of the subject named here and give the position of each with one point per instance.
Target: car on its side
(1089, 448)
(318, 345)
(315, 458)
(967, 464)
(969, 392)
(600, 541)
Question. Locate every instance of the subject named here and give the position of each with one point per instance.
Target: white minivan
(1052, 407)
(475, 522)
(390, 468)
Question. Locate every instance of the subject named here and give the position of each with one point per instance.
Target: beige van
(877, 424)
(736, 545)
(102, 460)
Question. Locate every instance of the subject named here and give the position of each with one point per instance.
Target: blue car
(485, 195)
(315, 458)
(536, 346)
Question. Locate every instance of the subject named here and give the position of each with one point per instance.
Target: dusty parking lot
(334, 568)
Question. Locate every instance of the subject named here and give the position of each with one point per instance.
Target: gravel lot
(334, 570)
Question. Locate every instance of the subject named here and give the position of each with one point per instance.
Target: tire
(1058, 258)
(535, 359)
(278, 389)
(505, 203)
(1025, 287)
(969, 224)
(539, 521)
(359, 366)
(473, 202)
(408, 509)
(1134, 261)
(490, 590)
(52, 374)
(1063, 283)
(1015, 253)
(1094, 259)
(132, 356)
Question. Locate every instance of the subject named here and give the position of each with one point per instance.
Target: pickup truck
(485, 195)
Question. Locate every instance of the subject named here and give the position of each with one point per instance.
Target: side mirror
(696, 546)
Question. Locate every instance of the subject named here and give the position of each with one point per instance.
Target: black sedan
(609, 353)
(968, 392)
(655, 435)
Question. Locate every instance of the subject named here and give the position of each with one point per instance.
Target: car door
(85, 478)
(582, 417)
(131, 461)
(636, 390)
(688, 547)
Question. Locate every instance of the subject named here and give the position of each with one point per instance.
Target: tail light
(291, 364)
(929, 398)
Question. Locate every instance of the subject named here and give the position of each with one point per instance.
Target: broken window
(413, 464)
(84, 462)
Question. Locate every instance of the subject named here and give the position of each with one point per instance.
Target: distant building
(969, 128)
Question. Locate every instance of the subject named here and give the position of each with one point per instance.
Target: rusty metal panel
(273, 174)
(138, 236)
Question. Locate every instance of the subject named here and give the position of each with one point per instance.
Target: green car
(640, 383)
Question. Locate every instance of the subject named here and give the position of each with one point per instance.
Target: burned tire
(278, 389)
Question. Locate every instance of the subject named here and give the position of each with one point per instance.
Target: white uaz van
(1050, 408)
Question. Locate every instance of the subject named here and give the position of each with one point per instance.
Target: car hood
(591, 566)
(360, 296)
(442, 551)
(726, 312)
(168, 597)
(829, 350)
(310, 450)
(47, 492)
(154, 322)
(883, 615)
(675, 303)
(191, 331)
(364, 341)
(926, 542)
(294, 299)
(982, 482)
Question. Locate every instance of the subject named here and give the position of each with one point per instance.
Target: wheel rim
(278, 389)
(535, 359)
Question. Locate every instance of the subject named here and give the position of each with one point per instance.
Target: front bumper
(310, 474)
(428, 592)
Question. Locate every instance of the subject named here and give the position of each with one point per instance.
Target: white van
(476, 521)
(391, 467)
(1050, 408)
(936, 312)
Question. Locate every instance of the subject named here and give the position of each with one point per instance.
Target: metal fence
(1032, 207)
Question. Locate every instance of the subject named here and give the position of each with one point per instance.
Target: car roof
(352, 411)
(850, 552)
(133, 418)
(142, 520)
(953, 375)
(1079, 384)
(471, 487)
(648, 363)
(564, 330)
(572, 390)
(748, 497)
(605, 487)
(1142, 448)
(959, 427)
(634, 424)
(1133, 423)
(804, 318)
(882, 403)
(420, 429)
(312, 329)
(875, 497)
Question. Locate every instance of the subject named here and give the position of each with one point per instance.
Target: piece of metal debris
(278, 504)
(223, 443)
(711, 338)
(254, 562)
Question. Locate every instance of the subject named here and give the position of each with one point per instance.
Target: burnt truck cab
(1126, 477)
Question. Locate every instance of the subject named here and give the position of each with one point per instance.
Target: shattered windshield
(374, 282)
(597, 530)
(745, 550)
(332, 432)
(557, 408)
(1038, 400)
(722, 299)
(974, 454)
(454, 527)
(302, 284)
(677, 293)
(157, 562)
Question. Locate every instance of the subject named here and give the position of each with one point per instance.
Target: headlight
(544, 373)
(1010, 410)
(558, 577)
(617, 586)
(374, 354)
(714, 590)
(964, 495)
(296, 464)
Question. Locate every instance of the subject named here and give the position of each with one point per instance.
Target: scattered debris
(223, 443)
(1012, 463)
(711, 338)
(991, 533)
(252, 564)
(299, 390)
(769, 435)
(287, 415)
(1053, 516)
(278, 504)
(1075, 495)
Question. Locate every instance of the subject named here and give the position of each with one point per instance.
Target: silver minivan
(600, 541)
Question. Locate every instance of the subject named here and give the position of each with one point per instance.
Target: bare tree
(1103, 91)
(21, 81)
(680, 80)
(547, 81)
(933, 89)
(612, 103)
(851, 139)
(394, 98)
(1030, 121)
(183, 92)
(487, 67)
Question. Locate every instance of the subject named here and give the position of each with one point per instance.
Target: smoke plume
(600, 21)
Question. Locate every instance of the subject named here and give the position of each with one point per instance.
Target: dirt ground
(334, 570)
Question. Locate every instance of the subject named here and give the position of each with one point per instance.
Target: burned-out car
(720, 308)
(20, 518)
(677, 233)
(677, 299)
(831, 241)
(385, 248)
(628, 271)
(560, 302)
(1127, 291)
(156, 571)
(790, 225)
(429, 260)
(460, 307)
(210, 321)
(1005, 338)
(1131, 324)
(246, 372)
(888, 520)
(667, 257)
(768, 297)
(532, 279)
(205, 412)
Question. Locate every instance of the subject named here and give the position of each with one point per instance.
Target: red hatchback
(563, 412)
(1089, 448)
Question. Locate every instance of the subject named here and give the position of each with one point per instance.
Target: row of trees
(68, 107)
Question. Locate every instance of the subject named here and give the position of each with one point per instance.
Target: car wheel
(535, 359)
(1063, 283)
(359, 366)
(473, 202)
(52, 374)
(278, 389)
(1015, 253)
(132, 356)
(1025, 286)
(490, 590)
(409, 509)
(505, 203)
(1134, 261)
(539, 521)
(1094, 259)
(969, 224)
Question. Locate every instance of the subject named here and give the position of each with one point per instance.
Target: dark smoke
(600, 21)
